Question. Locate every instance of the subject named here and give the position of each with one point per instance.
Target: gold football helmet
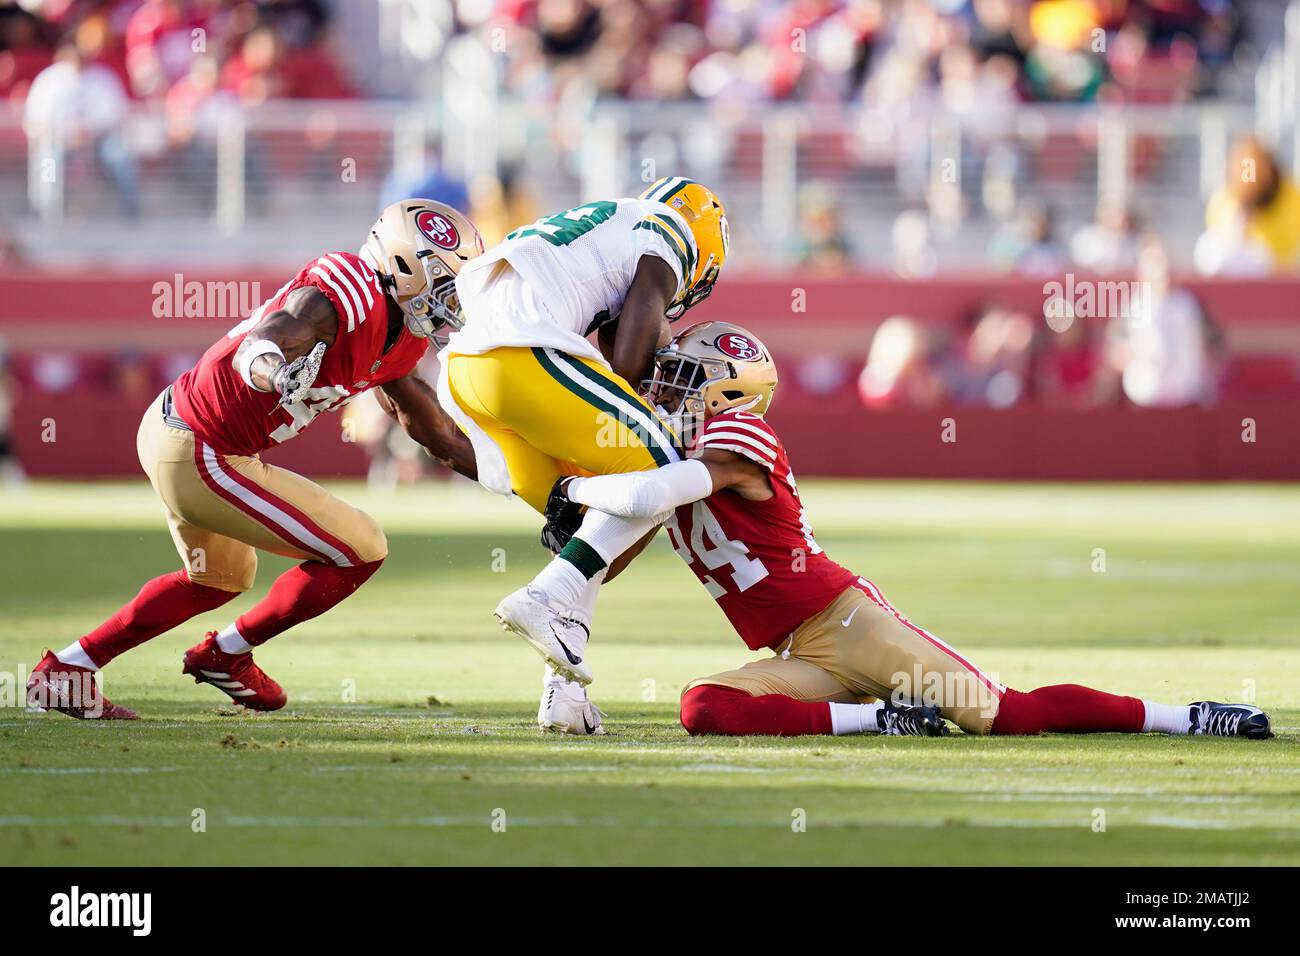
(710, 368)
(417, 247)
(707, 221)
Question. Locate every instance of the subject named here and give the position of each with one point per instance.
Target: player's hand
(563, 518)
(293, 380)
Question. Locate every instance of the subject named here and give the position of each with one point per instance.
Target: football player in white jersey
(539, 400)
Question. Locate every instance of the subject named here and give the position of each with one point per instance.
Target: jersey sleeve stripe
(709, 438)
(739, 450)
(733, 423)
(356, 276)
(346, 282)
(344, 300)
(672, 244)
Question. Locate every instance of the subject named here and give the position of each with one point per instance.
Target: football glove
(563, 518)
(293, 380)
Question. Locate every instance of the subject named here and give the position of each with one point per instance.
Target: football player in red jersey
(733, 514)
(343, 325)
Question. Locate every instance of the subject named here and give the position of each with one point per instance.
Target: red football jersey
(238, 420)
(757, 558)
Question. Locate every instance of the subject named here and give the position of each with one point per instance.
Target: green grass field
(410, 727)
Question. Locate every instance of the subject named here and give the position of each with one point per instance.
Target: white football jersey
(554, 282)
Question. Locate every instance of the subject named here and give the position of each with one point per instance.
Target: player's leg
(788, 697)
(214, 570)
(772, 696)
(274, 509)
(581, 415)
(875, 651)
(622, 433)
(869, 645)
(574, 411)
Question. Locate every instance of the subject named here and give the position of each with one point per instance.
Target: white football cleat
(561, 641)
(566, 708)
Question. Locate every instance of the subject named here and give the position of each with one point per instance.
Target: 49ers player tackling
(733, 514)
(343, 325)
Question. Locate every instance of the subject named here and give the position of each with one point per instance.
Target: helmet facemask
(435, 309)
(695, 294)
(676, 389)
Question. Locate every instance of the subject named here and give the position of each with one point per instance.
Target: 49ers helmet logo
(738, 346)
(437, 229)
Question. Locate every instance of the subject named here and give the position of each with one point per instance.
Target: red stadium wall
(826, 322)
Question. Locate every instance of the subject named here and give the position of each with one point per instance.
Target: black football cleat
(907, 720)
(1213, 719)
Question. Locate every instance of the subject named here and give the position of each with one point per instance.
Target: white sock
(1166, 718)
(608, 536)
(561, 584)
(76, 655)
(232, 642)
(855, 718)
(584, 609)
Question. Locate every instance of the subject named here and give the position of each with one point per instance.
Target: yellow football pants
(556, 414)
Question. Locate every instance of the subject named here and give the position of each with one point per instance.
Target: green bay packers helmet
(710, 368)
(417, 247)
(707, 221)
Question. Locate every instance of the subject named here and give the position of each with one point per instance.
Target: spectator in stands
(905, 367)
(1063, 62)
(821, 245)
(431, 182)
(1253, 221)
(252, 73)
(913, 256)
(1029, 245)
(196, 109)
(998, 360)
(1066, 367)
(1165, 348)
(499, 204)
(159, 46)
(1001, 28)
(23, 52)
(1108, 244)
(79, 106)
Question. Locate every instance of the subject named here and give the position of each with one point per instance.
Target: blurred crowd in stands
(180, 52)
(89, 61)
(1159, 350)
(1251, 228)
(971, 54)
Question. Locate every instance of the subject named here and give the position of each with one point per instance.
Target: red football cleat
(71, 690)
(236, 674)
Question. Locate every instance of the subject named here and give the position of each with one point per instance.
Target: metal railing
(307, 169)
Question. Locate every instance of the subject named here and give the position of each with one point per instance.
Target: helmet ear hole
(401, 264)
(732, 394)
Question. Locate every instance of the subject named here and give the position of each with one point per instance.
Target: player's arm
(414, 403)
(642, 328)
(645, 494)
(282, 353)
